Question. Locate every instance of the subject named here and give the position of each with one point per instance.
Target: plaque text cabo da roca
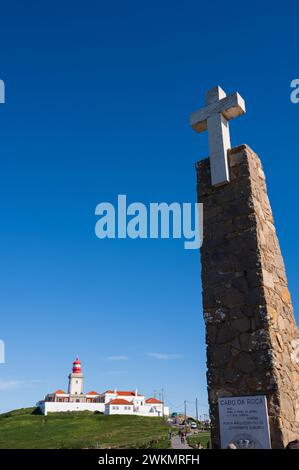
(244, 422)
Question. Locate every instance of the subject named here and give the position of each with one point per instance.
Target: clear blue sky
(98, 99)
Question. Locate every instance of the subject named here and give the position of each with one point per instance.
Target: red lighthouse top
(77, 366)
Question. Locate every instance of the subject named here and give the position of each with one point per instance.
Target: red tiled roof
(119, 401)
(123, 393)
(152, 400)
(92, 393)
(59, 392)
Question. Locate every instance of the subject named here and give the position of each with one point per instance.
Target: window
(77, 401)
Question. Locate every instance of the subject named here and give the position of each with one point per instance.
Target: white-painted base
(58, 407)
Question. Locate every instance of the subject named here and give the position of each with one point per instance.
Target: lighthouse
(76, 379)
(113, 401)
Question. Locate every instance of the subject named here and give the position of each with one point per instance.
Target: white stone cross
(214, 118)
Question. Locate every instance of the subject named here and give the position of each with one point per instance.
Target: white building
(149, 407)
(109, 402)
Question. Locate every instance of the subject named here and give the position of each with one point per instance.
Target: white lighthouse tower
(76, 379)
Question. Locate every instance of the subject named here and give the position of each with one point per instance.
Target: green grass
(201, 438)
(22, 429)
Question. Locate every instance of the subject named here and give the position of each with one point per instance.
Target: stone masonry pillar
(251, 333)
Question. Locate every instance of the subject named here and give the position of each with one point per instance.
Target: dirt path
(177, 444)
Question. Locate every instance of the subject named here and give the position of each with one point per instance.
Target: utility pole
(196, 405)
(185, 410)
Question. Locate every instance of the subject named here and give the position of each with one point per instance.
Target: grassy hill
(24, 429)
(199, 439)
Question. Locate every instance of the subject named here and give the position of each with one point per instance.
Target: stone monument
(251, 334)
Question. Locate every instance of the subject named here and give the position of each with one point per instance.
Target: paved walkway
(177, 444)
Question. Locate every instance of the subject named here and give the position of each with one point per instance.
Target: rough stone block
(251, 333)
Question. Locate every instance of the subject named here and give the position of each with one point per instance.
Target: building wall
(56, 407)
(119, 410)
(145, 410)
(106, 397)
